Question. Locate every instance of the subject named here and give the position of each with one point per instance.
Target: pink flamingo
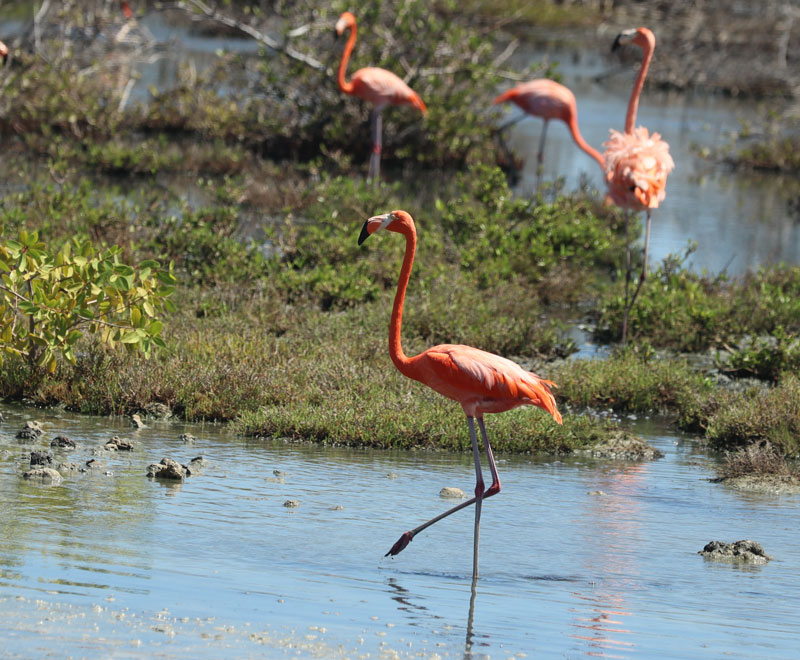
(378, 86)
(481, 382)
(636, 163)
(549, 100)
(3, 52)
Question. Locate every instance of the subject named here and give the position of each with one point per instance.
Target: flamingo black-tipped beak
(622, 39)
(401, 544)
(364, 235)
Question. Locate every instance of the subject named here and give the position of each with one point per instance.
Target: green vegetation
(685, 311)
(285, 335)
(50, 298)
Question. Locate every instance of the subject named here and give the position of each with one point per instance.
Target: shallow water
(111, 563)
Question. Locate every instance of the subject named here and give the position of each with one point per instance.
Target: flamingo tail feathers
(417, 102)
(508, 95)
(538, 391)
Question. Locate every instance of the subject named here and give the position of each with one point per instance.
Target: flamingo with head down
(375, 85)
(549, 100)
(481, 382)
(637, 163)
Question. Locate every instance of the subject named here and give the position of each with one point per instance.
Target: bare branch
(212, 14)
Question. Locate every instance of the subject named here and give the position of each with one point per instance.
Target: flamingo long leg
(540, 155)
(408, 536)
(646, 244)
(480, 489)
(376, 121)
(495, 487)
(627, 277)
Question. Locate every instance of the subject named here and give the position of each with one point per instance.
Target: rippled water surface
(112, 564)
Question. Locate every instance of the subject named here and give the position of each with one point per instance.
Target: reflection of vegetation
(772, 144)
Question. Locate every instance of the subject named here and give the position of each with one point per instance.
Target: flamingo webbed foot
(401, 544)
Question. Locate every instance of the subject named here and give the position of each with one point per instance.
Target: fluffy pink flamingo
(636, 163)
(481, 382)
(549, 100)
(3, 52)
(378, 86)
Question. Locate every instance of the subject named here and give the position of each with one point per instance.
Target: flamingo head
(346, 20)
(3, 52)
(395, 221)
(641, 37)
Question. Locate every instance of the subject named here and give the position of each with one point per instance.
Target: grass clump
(630, 382)
(687, 311)
(759, 459)
(731, 419)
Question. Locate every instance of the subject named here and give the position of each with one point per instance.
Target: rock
(94, 464)
(30, 431)
(168, 469)
(46, 475)
(290, 504)
(63, 442)
(65, 467)
(392, 475)
(136, 421)
(41, 457)
(279, 474)
(597, 493)
(338, 507)
(157, 410)
(452, 493)
(2, 418)
(198, 462)
(187, 437)
(118, 444)
(747, 552)
(622, 446)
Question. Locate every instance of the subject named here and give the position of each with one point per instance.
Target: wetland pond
(579, 556)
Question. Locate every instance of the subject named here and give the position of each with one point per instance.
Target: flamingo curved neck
(633, 103)
(401, 361)
(344, 85)
(582, 144)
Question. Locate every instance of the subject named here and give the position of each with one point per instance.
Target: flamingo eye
(632, 188)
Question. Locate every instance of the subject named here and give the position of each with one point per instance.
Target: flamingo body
(381, 88)
(637, 163)
(636, 166)
(549, 100)
(481, 382)
(542, 98)
(375, 85)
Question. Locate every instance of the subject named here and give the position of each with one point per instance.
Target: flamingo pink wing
(472, 376)
(381, 87)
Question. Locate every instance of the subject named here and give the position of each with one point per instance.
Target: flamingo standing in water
(549, 100)
(636, 163)
(378, 86)
(481, 382)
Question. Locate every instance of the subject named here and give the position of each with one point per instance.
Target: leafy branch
(48, 301)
